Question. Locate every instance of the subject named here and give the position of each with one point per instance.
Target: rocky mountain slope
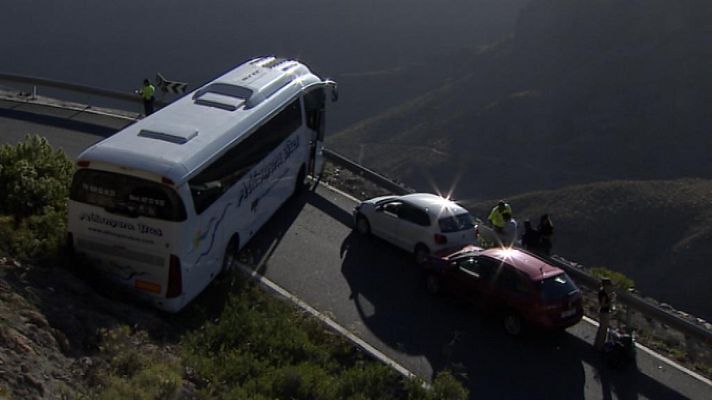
(584, 91)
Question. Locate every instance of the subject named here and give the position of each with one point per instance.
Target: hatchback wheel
(432, 284)
(513, 324)
(362, 225)
(421, 254)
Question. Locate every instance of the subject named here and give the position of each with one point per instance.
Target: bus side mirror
(334, 90)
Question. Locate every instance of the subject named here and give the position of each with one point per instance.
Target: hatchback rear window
(126, 195)
(456, 223)
(556, 288)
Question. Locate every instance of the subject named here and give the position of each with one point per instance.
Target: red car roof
(534, 267)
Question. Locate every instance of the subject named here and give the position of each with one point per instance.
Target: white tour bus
(165, 204)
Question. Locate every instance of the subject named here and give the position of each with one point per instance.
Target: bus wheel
(300, 183)
(230, 257)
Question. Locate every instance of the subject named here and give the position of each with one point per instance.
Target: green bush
(262, 348)
(37, 237)
(446, 387)
(136, 370)
(33, 178)
(34, 182)
(618, 279)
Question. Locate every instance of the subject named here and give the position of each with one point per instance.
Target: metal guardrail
(366, 173)
(73, 87)
(635, 302)
(638, 303)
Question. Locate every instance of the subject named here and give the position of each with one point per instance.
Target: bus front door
(314, 105)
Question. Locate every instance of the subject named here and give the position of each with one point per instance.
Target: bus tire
(230, 258)
(301, 182)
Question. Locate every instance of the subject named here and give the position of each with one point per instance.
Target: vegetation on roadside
(34, 182)
(258, 348)
(619, 280)
(262, 348)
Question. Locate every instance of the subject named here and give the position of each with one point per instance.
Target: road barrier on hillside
(366, 173)
(36, 82)
(635, 302)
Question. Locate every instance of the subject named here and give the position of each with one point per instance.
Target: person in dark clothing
(546, 233)
(530, 238)
(605, 307)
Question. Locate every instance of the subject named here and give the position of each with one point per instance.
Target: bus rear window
(127, 195)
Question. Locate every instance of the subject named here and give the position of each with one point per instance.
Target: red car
(522, 287)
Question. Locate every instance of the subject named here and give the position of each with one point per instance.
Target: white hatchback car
(421, 223)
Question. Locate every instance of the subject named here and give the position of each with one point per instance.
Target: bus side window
(215, 179)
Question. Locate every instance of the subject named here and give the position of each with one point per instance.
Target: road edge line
(371, 350)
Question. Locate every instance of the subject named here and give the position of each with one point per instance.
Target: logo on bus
(117, 224)
(259, 176)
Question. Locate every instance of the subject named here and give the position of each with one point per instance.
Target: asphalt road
(374, 290)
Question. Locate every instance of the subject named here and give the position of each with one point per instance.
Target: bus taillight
(175, 279)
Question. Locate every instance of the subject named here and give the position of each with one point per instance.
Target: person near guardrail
(146, 92)
(546, 233)
(531, 240)
(509, 233)
(605, 307)
(496, 217)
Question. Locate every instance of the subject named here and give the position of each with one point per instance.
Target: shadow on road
(59, 122)
(389, 294)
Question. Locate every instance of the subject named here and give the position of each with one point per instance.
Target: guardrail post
(34, 92)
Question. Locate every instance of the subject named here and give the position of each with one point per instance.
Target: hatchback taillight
(440, 239)
(175, 278)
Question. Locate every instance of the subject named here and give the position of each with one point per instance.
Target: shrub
(33, 178)
(135, 369)
(618, 279)
(263, 348)
(37, 237)
(34, 182)
(446, 387)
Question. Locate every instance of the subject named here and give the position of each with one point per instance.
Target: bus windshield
(126, 195)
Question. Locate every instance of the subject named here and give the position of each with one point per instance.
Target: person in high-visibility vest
(146, 93)
(496, 217)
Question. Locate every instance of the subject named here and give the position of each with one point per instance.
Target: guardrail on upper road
(36, 82)
(635, 302)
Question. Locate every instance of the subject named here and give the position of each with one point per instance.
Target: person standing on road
(509, 231)
(146, 93)
(530, 237)
(496, 216)
(546, 233)
(605, 306)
